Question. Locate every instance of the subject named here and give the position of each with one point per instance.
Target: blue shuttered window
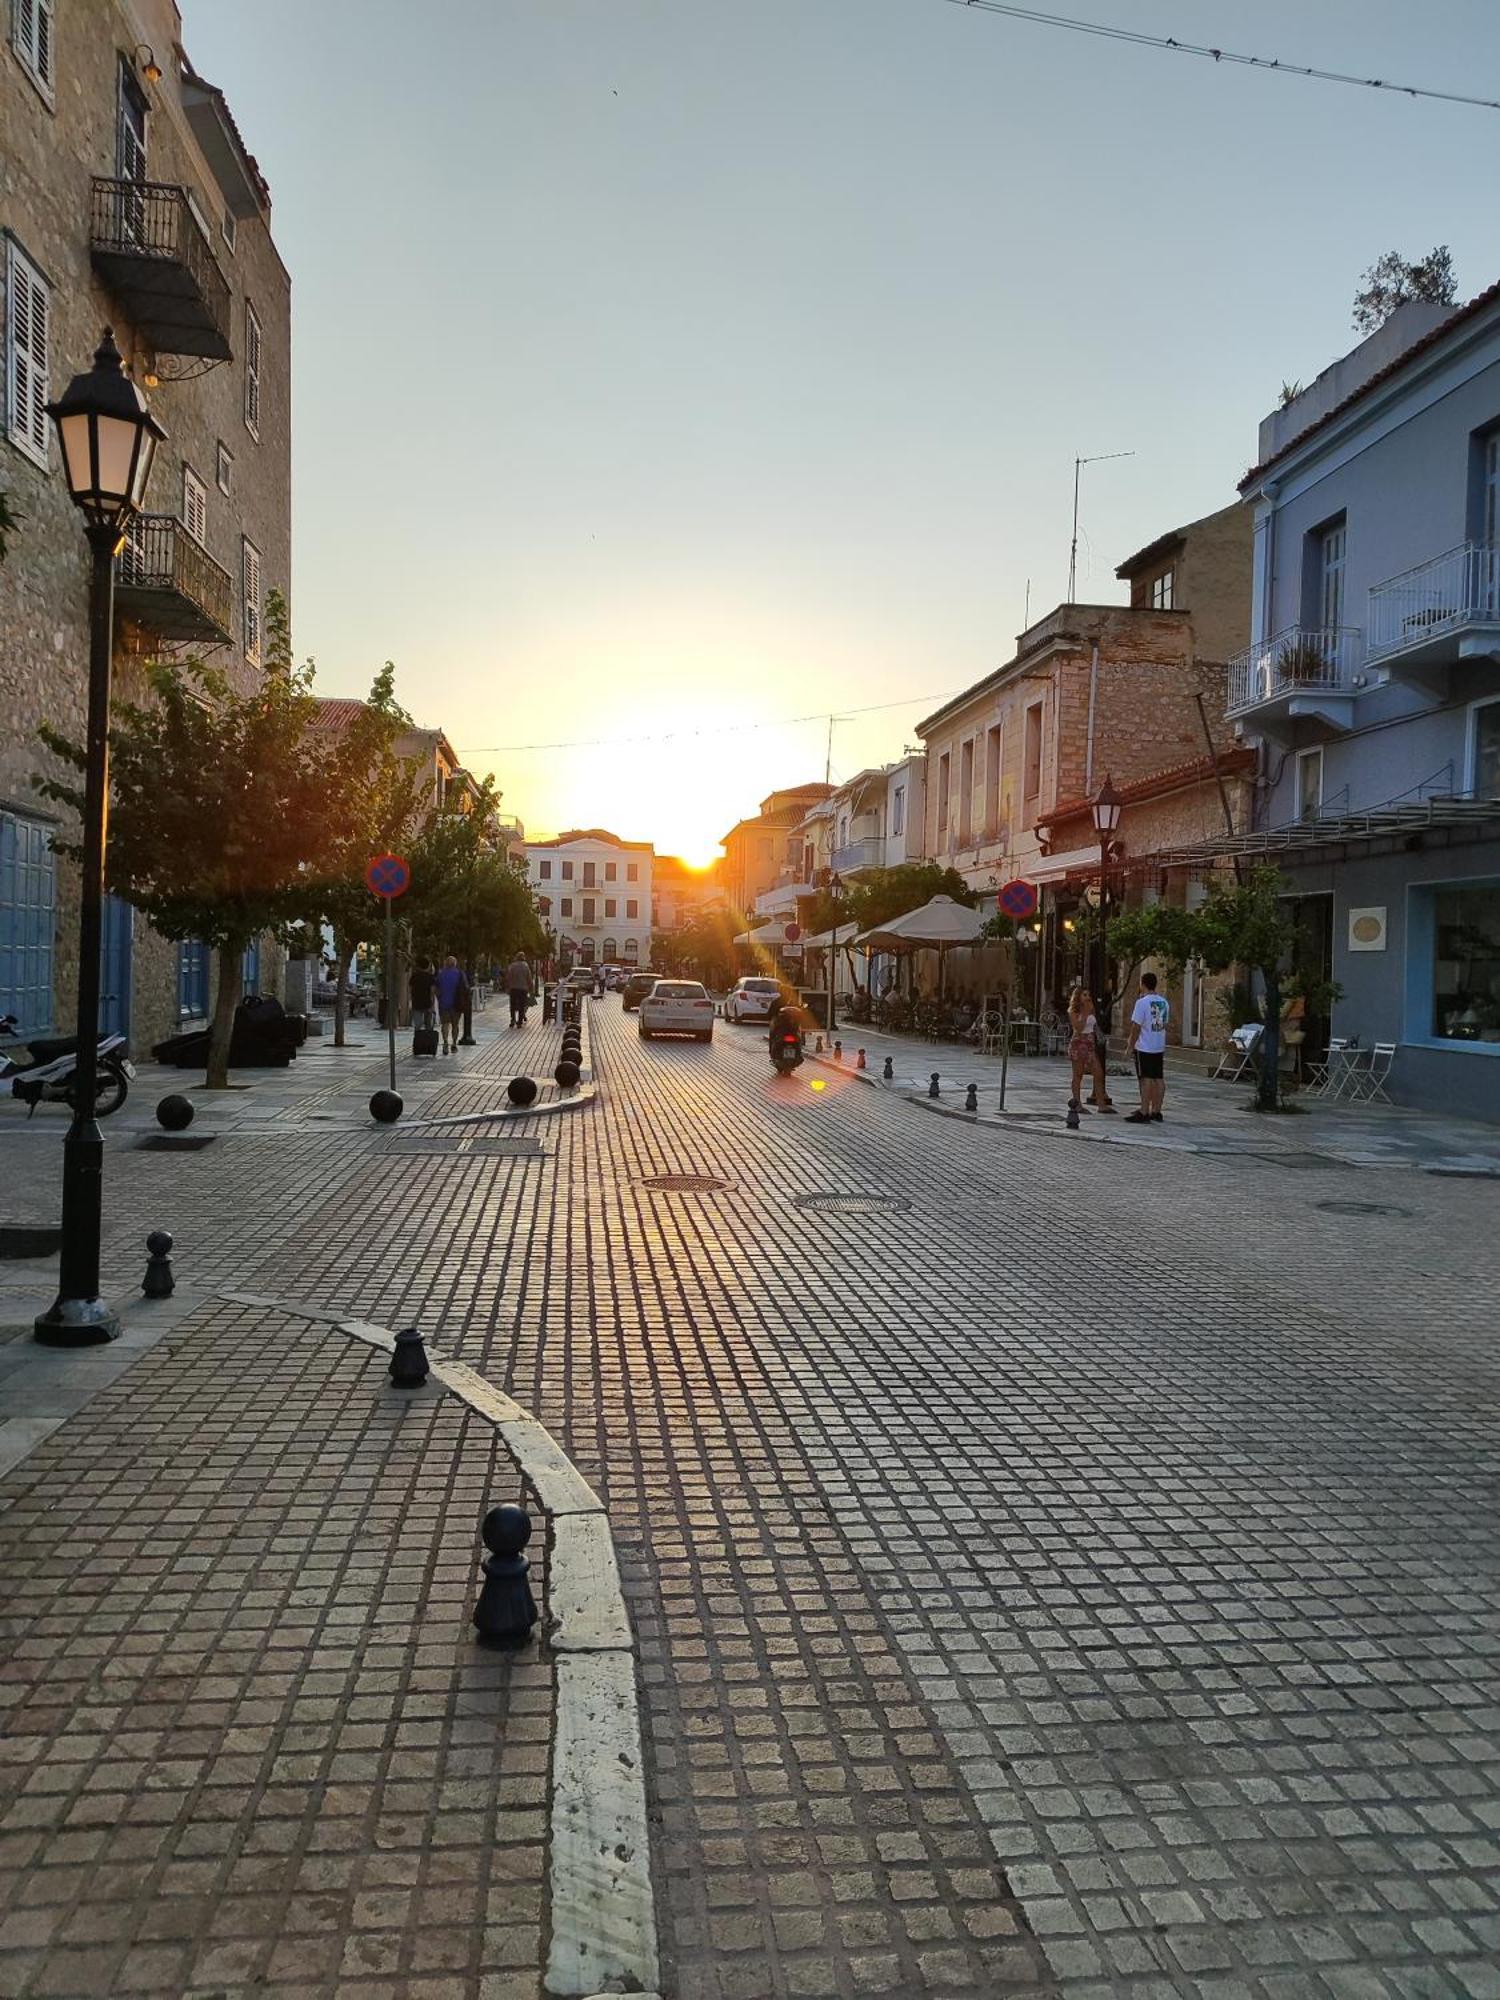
(28, 892)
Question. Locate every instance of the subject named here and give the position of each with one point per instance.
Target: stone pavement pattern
(1120, 1516)
(248, 1743)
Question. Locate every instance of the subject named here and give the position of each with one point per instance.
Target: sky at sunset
(666, 370)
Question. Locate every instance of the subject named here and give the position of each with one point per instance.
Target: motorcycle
(47, 1075)
(786, 1051)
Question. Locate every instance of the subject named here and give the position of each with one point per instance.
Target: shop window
(1466, 964)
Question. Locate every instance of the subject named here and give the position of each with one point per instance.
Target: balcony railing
(1436, 599)
(868, 852)
(1301, 660)
(165, 581)
(150, 250)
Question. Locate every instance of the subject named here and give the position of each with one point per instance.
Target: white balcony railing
(867, 852)
(1436, 598)
(1301, 660)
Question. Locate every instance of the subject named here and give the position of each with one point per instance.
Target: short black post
(409, 1361)
(859, 1060)
(158, 1282)
(818, 1045)
(838, 1052)
(1074, 1120)
(932, 1088)
(506, 1610)
(889, 1072)
(971, 1098)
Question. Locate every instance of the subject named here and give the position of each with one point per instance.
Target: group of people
(443, 991)
(1088, 1049)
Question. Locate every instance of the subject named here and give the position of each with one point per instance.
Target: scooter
(47, 1076)
(786, 1051)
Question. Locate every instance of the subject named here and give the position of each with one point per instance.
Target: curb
(584, 1092)
(603, 1915)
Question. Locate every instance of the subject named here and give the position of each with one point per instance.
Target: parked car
(752, 999)
(637, 986)
(581, 979)
(677, 1007)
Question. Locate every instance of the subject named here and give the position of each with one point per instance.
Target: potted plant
(1301, 661)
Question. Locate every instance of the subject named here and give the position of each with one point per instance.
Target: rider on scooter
(788, 1017)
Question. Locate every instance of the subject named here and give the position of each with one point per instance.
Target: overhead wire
(714, 729)
(1220, 55)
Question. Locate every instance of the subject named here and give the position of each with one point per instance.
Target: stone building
(768, 851)
(593, 892)
(128, 199)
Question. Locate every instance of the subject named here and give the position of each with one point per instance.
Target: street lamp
(835, 892)
(108, 439)
(1107, 807)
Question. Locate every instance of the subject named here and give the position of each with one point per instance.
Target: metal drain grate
(685, 1183)
(853, 1204)
(176, 1142)
(1362, 1208)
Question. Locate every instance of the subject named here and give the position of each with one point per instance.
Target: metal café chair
(1318, 1076)
(1367, 1084)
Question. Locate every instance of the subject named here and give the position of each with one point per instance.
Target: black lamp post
(1107, 805)
(835, 892)
(108, 440)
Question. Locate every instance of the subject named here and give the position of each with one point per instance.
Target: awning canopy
(937, 923)
(1393, 821)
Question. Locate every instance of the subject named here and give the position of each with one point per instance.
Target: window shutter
(195, 507)
(43, 39)
(252, 603)
(27, 350)
(252, 372)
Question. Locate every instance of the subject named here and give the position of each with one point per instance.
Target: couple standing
(1088, 1044)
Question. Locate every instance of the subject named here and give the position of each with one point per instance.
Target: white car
(677, 1007)
(752, 1000)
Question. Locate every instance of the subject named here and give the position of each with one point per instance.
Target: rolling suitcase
(424, 1041)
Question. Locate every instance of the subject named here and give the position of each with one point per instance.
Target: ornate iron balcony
(165, 581)
(150, 250)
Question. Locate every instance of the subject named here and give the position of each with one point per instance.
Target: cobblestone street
(1055, 1566)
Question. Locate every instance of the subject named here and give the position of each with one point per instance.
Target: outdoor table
(1344, 1066)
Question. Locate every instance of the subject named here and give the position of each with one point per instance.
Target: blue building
(1372, 690)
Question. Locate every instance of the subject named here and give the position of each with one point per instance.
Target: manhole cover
(468, 1149)
(175, 1142)
(1362, 1208)
(685, 1183)
(853, 1204)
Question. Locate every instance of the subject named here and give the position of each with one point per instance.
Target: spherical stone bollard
(859, 1060)
(932, 1088)
(409, 1362)
(567, 1074)
(521, 1090)
(175, 1113)
(971, 1098)
(573, 1049)
(506, 1610)
(888, 1074)
(386, 1107)
(158, 1282)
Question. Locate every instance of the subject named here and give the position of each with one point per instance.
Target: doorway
(116, 936)
(1312, 957)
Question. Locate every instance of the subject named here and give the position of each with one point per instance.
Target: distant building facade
(593, 891)
(129, 199)
(767, 851)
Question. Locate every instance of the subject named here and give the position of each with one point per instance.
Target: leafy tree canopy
(465, 897)
(1393, 279)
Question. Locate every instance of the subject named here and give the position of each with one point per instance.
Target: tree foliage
(1239, 923)
(703, 949)
(1393, 279)
(465, 897)
(890, 892)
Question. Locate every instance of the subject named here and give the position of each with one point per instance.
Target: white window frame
(254, 355)
(250, 584)
(898, 811)
(28, 362)
(227, 229)
(1333, 551)
(1164, 590)
(1471, 741)
(223, 467)
(1309, 760)
(195, 506)
(33, 36)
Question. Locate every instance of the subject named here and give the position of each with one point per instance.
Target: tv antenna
(1078, 465)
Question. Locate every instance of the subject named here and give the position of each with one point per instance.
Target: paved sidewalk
(1202, 1115)
(249, 1745)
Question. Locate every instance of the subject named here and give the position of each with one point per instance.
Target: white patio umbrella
(937, 926)
(763, 935)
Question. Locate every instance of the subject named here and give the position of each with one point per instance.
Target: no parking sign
(1018, 900)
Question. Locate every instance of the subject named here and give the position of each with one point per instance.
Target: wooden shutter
(29, 310)
(33, 39)
(252, 603)
(252, 372)
(195, 506)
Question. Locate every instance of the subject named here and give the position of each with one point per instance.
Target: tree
(703, 949)
(222, 802)
(1240, 923)
(387, 795)
(1393, 279)
(465, 897)
(890, 892)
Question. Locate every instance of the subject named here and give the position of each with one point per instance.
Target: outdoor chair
(1317, 1078)
(1367, 1084)
(1238, 1055)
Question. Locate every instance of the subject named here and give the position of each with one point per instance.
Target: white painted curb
(603, 1915)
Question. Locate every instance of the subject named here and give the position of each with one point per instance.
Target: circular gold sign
(1366, 930)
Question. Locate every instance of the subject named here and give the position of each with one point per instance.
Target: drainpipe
(1088, 775)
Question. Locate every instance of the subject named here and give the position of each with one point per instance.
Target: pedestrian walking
(518, 986)
(1148, 1042)
(423, 988)
(1083, 1050)
(452, 996)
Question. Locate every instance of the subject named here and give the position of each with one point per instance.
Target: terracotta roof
(1459, 317)
(1196, 771)
(337, 713)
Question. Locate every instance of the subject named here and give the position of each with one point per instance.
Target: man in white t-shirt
(1148, 1042)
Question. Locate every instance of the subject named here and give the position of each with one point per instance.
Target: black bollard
(409, 1362)
(158, 1282)
(175, 1113)
(385, 1107)
(889, 1072)
(521, 1090)
(568, 1073)
(1074, 1121)
(838, 1052)
(932, 1088)
(971, 1098)
(818, 1046)
(506, 1610)
(859, 1060)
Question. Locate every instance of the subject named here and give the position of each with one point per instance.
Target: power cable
(717, 729)
(1171, 42)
